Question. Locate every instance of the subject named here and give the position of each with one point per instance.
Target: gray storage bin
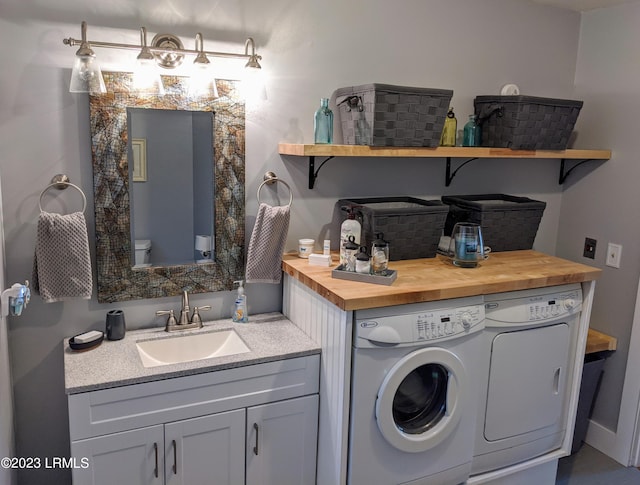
(526, 122)
(412, 227)
(508, 222)
(386, 115)
(591, 373)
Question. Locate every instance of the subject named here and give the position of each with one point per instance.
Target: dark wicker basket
(508, 222)
(385, 115)
(526, 122)
(411, 226)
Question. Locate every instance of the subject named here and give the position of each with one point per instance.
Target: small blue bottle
(472, 135)
(323, 123)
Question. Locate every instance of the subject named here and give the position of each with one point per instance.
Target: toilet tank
(142, 252)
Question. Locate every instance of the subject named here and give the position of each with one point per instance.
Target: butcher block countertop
(436, 278)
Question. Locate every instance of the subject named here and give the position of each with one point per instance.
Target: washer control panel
(423, 326)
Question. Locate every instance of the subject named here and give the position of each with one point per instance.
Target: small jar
(379, 255)
(305, 247)
(363, 263)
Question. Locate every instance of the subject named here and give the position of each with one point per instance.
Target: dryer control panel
(542, 307)
(419, 327)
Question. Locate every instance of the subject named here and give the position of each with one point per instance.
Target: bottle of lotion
(350, 227)
(240, 306)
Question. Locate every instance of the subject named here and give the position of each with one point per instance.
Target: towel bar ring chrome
(271, 178)
(61, 182)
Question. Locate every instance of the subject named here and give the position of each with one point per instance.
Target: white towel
(264, 258)
(62, 263)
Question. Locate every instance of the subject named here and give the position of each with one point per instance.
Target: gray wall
(309, 49)
(604, 203)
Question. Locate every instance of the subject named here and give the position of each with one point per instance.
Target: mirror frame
(117, 279)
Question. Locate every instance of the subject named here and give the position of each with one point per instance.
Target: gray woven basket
(411, 226)
(526, 122)
(385, 115)
(508, 222)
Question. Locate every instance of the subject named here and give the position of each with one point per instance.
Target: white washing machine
(529, 339)
(413, 393)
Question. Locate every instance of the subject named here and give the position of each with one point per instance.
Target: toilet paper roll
(203, 243)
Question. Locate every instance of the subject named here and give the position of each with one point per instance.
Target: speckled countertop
(269, 337)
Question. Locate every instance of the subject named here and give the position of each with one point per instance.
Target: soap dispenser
(240, 314)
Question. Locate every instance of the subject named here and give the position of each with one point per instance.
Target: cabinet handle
(255, 448)
(175, 457)
(155, 448)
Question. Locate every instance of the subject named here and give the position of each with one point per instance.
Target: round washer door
(421, 399)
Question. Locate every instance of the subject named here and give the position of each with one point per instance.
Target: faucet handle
(172, 318)
(195, 318)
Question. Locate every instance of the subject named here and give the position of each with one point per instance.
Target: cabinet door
(206, 451)
(132, 457)
(282, 442)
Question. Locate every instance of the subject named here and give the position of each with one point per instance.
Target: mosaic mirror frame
(117, 279)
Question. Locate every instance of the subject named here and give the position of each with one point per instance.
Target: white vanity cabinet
(252, 424)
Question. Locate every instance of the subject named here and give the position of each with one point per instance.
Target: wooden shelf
(471, 153)
(599, 342)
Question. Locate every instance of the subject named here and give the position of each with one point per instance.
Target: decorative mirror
(122, 159)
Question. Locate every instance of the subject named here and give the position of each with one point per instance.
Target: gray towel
(264, 258)
(62, 264)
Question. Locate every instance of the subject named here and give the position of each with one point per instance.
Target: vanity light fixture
(146, 78)
(202, 82)
(166, 50)
(86, 76)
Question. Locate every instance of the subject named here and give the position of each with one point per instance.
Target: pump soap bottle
(350, 227)
(240, 314)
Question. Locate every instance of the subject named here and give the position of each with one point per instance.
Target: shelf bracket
(450, 175)
(313, 173)
(564, 174)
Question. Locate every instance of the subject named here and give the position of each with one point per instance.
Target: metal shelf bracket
(313, 173)
(450, 175)
(564, 174)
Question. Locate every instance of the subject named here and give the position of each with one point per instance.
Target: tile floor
(588, 466)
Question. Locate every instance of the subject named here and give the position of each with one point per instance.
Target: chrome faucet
(184, 322)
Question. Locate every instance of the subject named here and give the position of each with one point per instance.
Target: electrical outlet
(589, 248)
(614, 253)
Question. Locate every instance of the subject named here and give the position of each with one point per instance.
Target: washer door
(420, 401)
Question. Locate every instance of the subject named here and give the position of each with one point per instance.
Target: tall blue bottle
(323, 123)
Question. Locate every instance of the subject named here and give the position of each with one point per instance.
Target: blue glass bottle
(323, 123)
(472, 136)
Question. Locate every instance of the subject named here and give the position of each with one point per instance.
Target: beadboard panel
(330, 327)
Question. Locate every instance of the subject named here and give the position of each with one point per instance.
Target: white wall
(309, 49)
(604, 203)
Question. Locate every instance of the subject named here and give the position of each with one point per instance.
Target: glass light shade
(202, 81)
(146, 78)
(252, 84)
(86, 76)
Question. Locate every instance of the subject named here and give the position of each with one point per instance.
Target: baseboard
(605, 441)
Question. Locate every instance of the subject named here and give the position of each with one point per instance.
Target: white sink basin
(187, 348)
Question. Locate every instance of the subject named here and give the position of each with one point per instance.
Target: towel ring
(271, 178)
(61, 182)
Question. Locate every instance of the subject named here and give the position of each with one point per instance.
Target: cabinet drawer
(106, 411)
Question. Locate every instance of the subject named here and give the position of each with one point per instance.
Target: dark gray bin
(526, 122)
(412, 226)
(508, 222)
(386, 115)
(591, 373)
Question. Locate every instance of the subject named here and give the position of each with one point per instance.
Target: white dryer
(529, 339)
(414, 385)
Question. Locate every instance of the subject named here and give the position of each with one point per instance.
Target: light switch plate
(614, 253)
